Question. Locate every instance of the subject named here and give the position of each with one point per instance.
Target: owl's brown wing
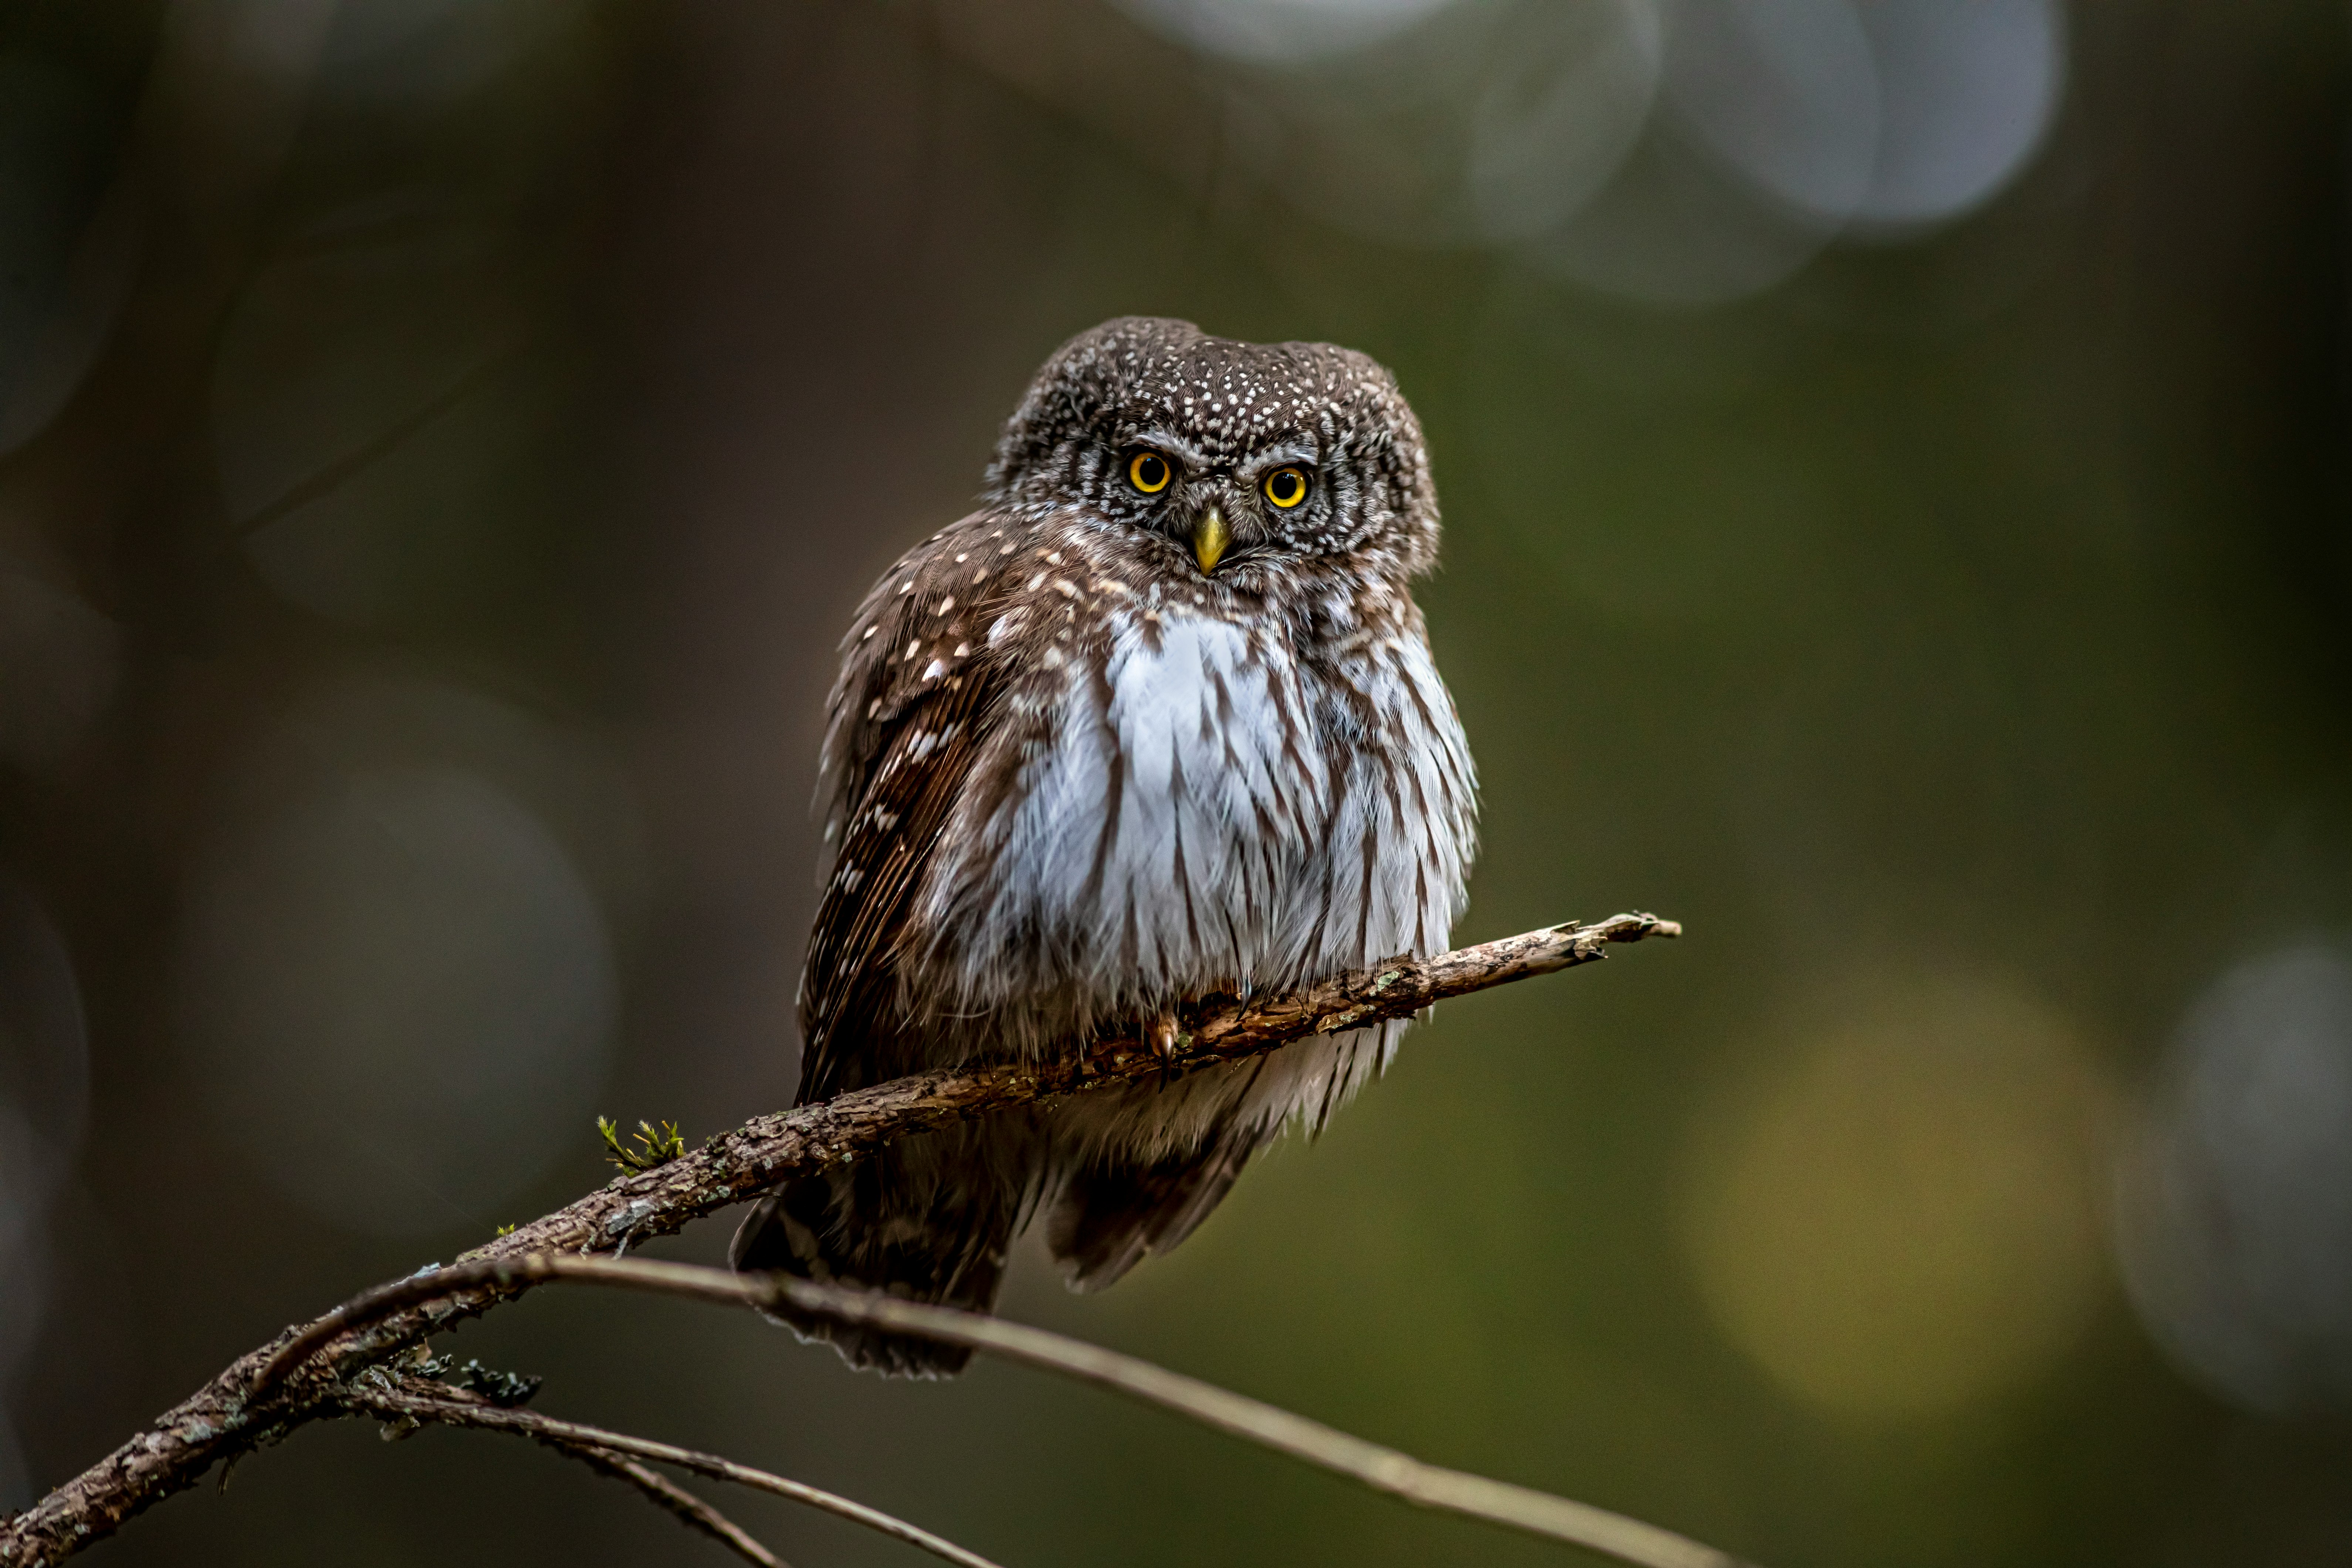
(907, 719)
(912, 717)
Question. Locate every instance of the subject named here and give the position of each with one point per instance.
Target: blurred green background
(1893, 459)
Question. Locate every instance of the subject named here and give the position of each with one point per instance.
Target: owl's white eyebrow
(1288, 452)
(1170, 443)
(1197, 462)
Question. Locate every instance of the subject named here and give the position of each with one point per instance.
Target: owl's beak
(1210, 538)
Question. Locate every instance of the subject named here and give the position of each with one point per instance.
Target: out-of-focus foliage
(1892, 453)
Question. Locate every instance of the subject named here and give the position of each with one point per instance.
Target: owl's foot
(1160, 1035)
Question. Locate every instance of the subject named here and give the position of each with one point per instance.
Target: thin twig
(1381, 1468)
(227, 1416)
(399, 1401)
(672, 1499)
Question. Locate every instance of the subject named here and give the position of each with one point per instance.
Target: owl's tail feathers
(853, 1230)
(1112, 1215)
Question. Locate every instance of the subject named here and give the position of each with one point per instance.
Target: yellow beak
(1210, 537)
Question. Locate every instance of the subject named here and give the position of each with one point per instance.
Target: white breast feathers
(1210, 817)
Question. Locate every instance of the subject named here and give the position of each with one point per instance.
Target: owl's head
(1249, 456)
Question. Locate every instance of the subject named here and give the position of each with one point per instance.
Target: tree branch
(674, 1499)
(401, 1400)
(227, 1416)
(1383, 1470)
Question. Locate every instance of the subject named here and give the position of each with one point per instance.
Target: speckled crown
(1221, 403)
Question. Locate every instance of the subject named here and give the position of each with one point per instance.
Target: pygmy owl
(1157, 722)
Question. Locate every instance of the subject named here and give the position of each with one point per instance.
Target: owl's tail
(1113, 1212)
(928, 1220)
(931, 1219)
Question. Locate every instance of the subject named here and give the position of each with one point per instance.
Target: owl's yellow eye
(1285, 487)
(1149, 472)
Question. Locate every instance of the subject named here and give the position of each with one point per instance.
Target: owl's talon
(1161, 1034)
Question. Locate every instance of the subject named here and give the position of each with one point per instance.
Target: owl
(1157, 722)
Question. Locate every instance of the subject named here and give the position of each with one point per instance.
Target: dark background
(1896, 524)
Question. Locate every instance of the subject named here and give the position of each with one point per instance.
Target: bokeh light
(1897, 1218)
(1784, 92)
(398, 990)
(1283, 31)
(1674, 151)
(1564, 100)
(1966, 95)
(2235, 1218)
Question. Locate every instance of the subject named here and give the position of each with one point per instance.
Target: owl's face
(1236, 460)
